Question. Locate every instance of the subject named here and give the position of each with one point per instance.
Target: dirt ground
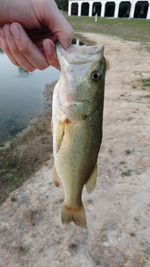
(118, 211)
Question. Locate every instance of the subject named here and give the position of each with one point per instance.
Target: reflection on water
(21, 96)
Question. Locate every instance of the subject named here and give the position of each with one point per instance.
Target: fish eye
(95, 75)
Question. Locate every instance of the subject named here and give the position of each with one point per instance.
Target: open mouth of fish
(77, 54)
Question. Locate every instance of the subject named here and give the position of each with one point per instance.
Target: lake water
(21, 96)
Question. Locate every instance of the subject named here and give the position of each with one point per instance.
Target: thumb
(65, 37)
(61, 29)
(64, 32)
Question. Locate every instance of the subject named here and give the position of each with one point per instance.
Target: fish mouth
(77, 54)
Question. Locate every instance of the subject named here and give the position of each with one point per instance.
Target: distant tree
(62, 4)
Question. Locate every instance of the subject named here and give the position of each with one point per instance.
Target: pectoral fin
(56, 180)
(91, 183)
(60, 131)
(59, 134)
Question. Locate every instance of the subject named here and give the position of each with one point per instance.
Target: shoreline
(22, 156)
(5, 144)
(25, 153)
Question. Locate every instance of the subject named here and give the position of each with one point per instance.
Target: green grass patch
(11, 175)
(128, 29)
(146, 83)
(126, 173)
(10, 179)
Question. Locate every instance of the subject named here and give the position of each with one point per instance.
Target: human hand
(27, 50)
(34, 46)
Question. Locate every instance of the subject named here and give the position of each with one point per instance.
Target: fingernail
(15, 30)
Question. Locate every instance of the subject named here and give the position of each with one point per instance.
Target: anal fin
(91, 183)
(59, 135)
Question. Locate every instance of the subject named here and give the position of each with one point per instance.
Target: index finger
(29, 50)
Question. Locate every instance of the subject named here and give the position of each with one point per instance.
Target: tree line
(62, 4)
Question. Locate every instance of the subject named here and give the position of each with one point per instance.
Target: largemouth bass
(77, 116)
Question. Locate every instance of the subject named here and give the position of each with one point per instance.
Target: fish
(77, 119)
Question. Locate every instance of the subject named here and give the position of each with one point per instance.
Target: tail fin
(77, 215)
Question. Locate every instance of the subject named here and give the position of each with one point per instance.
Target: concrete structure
(110, 8)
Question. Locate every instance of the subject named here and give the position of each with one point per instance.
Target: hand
(27, 50)
(33, 46)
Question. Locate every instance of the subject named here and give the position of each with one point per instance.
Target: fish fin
(59, 134)
(56, 180)
(77, 215)
(91, 183)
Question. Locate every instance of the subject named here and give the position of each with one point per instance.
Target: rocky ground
(118, 211)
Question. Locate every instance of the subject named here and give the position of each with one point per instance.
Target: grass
(126, 173)
(10, 180)
(128, 29)
(11, 174)
(146, 83)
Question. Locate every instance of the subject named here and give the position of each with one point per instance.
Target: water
(21, 96)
